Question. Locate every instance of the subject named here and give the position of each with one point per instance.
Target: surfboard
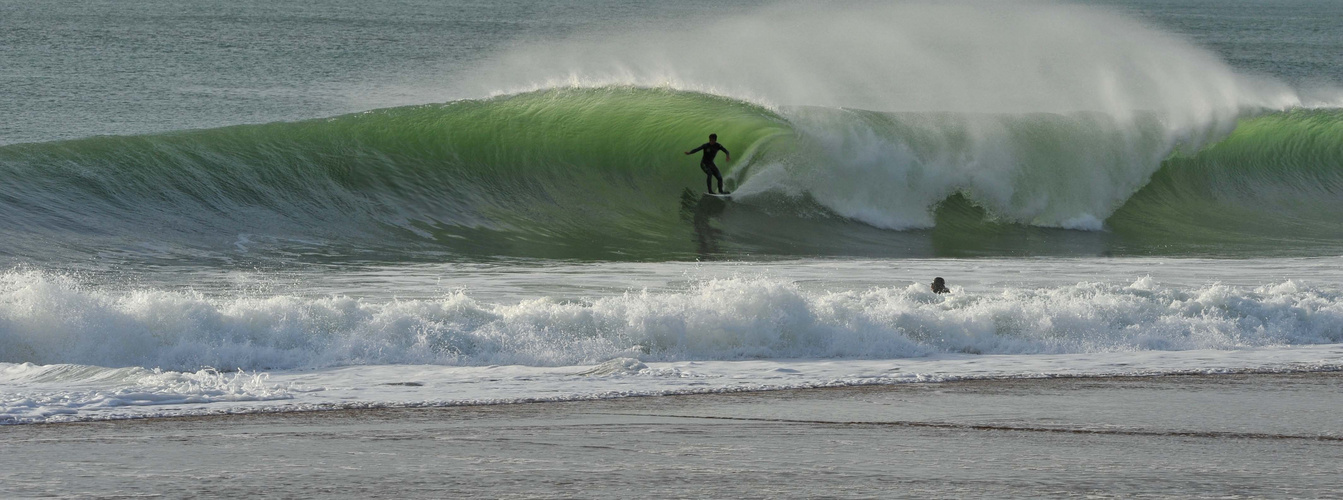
(720, 196)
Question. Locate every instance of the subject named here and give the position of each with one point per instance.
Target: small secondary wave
(59, 392)
(50, 319)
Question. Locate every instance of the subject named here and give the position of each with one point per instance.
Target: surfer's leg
(709, 171)
(719, 175)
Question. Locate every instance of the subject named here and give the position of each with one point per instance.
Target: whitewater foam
(40, 393)
(52, 319)
(417, 386)
(75, 348)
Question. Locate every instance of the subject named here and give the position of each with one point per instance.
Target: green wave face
(1273, 186)
(566, 173)
(557, 174)
(600, 174)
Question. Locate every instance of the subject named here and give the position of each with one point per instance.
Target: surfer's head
(713, 137)
(939, 286)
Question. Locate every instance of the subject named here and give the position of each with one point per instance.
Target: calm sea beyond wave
(253, 207)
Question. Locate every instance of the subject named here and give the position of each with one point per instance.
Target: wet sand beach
(1225, 436)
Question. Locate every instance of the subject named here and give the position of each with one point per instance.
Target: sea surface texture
(220, 207)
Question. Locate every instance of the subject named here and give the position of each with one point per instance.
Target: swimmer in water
(940, 286)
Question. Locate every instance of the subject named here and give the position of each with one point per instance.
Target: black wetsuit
(711, 172)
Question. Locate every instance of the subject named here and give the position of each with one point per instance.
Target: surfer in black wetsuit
(711, 172)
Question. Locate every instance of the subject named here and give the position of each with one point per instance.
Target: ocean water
(214, 208)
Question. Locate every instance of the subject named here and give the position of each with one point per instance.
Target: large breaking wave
(859, 129)
(597, 173)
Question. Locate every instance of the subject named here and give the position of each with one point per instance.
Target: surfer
(711, 172)
(940, 286)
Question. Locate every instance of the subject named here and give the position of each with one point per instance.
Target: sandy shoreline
(1254, 435)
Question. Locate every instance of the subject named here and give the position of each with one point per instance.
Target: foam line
(51, 319)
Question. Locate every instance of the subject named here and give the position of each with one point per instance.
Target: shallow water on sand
(1261, 436)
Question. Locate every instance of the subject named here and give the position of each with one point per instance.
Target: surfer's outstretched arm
(691, 152)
